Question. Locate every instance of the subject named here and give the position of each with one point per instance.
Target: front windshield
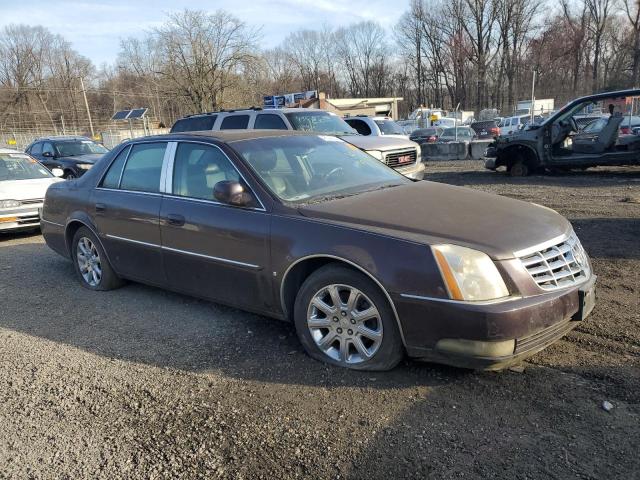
(79, 147)
(320, 122)
(389, 127)
(18, 166)
(304, 169)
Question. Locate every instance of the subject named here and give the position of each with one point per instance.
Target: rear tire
(519, 168)
(91, 263)
(344, 319)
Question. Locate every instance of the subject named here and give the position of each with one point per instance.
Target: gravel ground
(143, 383)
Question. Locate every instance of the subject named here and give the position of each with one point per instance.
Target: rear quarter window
(235, 122)
(194, 124)
(144, 165)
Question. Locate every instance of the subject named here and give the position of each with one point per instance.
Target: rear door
(127, 210)
(210, 249)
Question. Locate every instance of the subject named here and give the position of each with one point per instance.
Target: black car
(74, 155)
(486, 129)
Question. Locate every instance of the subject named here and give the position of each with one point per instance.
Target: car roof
(61, 138)
(258, 110)
(229, 136)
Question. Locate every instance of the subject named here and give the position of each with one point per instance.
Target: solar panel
(137, 113)
(121, 115)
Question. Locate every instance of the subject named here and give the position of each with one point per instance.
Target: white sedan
(23, 183)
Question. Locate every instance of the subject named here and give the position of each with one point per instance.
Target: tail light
(431, 139)
(494, 131)
(625, 130)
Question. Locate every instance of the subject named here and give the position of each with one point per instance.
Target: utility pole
(86, 104)
(533, 94)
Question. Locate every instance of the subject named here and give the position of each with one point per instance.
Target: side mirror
(232, 193)
(47, 154)
(57, 172)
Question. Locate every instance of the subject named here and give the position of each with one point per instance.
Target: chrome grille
(394, 159)
(31, 201)
(558, 266)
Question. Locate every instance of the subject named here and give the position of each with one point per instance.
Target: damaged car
(558, 143)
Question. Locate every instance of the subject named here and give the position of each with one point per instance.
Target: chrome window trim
(139, 192)
(126, 160)
(106, 170)
(166, 175)
(210, 257)
(170, 190)
(211, 202)
(355, 265)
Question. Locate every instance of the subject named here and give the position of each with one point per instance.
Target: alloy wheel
(89, 261)
(345, 324)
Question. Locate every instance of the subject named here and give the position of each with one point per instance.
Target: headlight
(469, 274)
(85, 166)
(9, 203)
(376, 154)
(419, 153)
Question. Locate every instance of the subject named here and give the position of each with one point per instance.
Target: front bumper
(414, 171)
(20, 219)
(531, 323)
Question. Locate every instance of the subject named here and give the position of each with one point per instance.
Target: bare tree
(632, 11)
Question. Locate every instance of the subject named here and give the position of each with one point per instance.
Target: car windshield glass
(389, 127)
(79, 147)
(320, 122)
(16, 166)
(313, 168)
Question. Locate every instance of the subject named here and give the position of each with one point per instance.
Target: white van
(513, 124)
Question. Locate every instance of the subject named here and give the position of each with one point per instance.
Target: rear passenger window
(197, 169)
(361, 127)
(269, 121)
(112, 177)
(143, 168)
(235, 122)
(194, 124)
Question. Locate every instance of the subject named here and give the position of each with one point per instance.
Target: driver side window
(197, 168)
(47, 148)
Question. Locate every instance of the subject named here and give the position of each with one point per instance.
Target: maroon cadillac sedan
(368, 265)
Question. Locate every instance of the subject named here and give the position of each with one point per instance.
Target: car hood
(429, 212)
(382, 143)
(25, 189)
(88, 158)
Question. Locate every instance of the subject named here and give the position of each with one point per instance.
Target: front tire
(342, 318)
(90, 262)
(519, 168)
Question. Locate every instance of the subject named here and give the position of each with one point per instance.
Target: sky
(95, 27)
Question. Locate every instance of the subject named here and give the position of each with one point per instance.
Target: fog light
(477, 348)
(8, 219)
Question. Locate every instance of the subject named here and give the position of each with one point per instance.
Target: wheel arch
(301, 269)
(73, 225)
(530, 155)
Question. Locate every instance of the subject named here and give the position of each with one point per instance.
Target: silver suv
(399, 153)
(376, 126)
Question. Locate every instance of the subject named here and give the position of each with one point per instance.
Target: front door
(210, 249)
(127, 210)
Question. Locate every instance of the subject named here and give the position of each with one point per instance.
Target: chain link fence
(20, 140)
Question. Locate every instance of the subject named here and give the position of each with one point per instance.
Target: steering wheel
(333, 172)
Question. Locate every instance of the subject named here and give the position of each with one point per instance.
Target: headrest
(264, 160)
